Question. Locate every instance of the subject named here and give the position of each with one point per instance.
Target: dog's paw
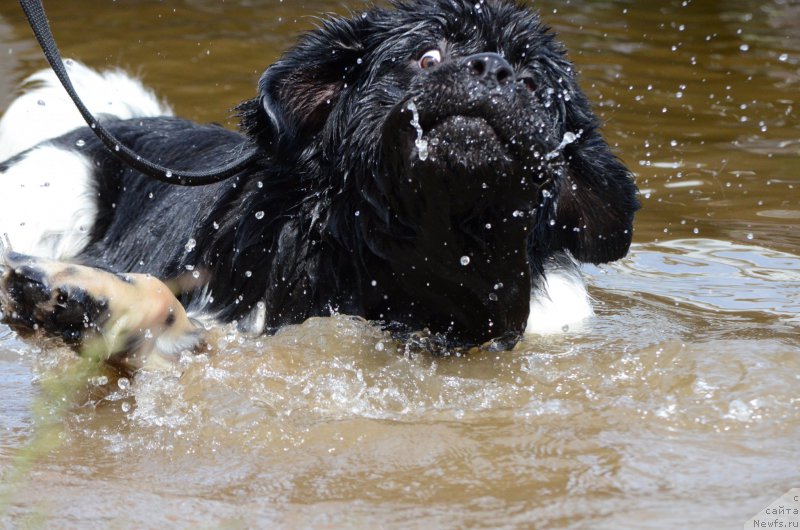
(130, 320)
(34, 295)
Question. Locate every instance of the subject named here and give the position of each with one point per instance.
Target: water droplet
(125, 406)
(259, 184)
(783, 57)
(41, 103)
(373, 283)
(196, 275)
(696, 231)
(744, 47)
(168, 174)
(248, 274)
(148, 334)
(516, 213)
(569, 137)
(488, 226)
(498, 286)
(493, 297)
(99, 380)
(215, 225)
(750, 236)
(190, 245)
(123, 383)
(116, 148)
(464, 260)
(380, 346)
(80, 143)
(259, 214)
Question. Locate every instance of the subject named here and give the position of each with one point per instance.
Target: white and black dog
(430, 166)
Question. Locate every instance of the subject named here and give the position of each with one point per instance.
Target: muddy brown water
(677, 406)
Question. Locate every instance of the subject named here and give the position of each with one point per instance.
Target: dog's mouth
(472, 156)
(473, 140)
(456, 139)
(467, 129)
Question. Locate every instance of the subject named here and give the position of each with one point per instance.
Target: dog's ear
(595, 205)
(297, 93)
(596, 197)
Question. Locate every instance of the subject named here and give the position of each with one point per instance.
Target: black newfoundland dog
(425, 166)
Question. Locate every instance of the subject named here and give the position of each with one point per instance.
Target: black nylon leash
(37, 19)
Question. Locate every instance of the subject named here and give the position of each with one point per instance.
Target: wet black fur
(340, 213)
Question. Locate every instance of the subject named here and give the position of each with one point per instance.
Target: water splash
(421, 142)
(569, 137)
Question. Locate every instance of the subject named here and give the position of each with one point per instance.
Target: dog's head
(449, 121)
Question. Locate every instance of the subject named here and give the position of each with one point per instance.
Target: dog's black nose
(492, 67)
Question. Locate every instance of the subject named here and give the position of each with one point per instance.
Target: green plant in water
(59, 393)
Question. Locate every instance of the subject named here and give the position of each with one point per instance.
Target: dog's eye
(430, 59)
